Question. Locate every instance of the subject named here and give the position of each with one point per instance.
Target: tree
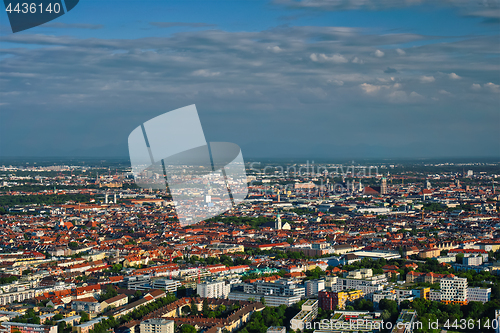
(194, 308)
(84, 316)
(386, 315)
(188, 329)
(205, 308)
(263, 300)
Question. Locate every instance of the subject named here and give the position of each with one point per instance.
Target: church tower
(277, 223)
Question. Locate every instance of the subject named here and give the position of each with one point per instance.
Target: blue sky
(282, 78)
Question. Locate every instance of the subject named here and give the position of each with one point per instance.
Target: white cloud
(275, 49)
(336, 82)
(480, 8)
(491, 86)
(416, 95)
(356, 60)
(205, 73)
(397, 96)
(321, 57)
(454, 76)
(427, 79)
(444, 92)
(370, 88)
(400, 51)
(475, 86)
(379, 53)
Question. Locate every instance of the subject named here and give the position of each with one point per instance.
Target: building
(473, 261)
(170, 286)
(10, 327)
(214, 289)
(138, 282)
(308, 313)
(478, 295)
(277, 223)
(454, 290)
(313, 287)
(383, 186)
(378, 296)
(157, 325)
(430, 253)
(87, 326)
(367, 286)
(353, 322)
(362, 273)
(115, 302)
(89, 305)
(330, 300)
(270, 300)
(280, 288)
(406, 322)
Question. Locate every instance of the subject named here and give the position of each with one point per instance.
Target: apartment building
(89, 305)
(271, 300)
(307, 314)
(454, 290)
(367, 286)
(213, 289)
(157, 325)
(279, 288)
(16, 296)
(114, 302)
(313, 287)
(473, 261)
(10, 327)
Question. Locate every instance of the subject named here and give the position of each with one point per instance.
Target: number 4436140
(471, 324)
(33, 8)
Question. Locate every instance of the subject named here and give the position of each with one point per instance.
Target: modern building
(367, 286)
(406, 322)
(313, 287)
(482, 295)
(138, 282)
(308, 313)
(454, 290)
(331, 300)
(384, 294)
(280, 288)
(270, 300)
(473, 261)
(213, 289)
(170, 286)
(156, 325)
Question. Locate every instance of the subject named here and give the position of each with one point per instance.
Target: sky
(280, 78)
